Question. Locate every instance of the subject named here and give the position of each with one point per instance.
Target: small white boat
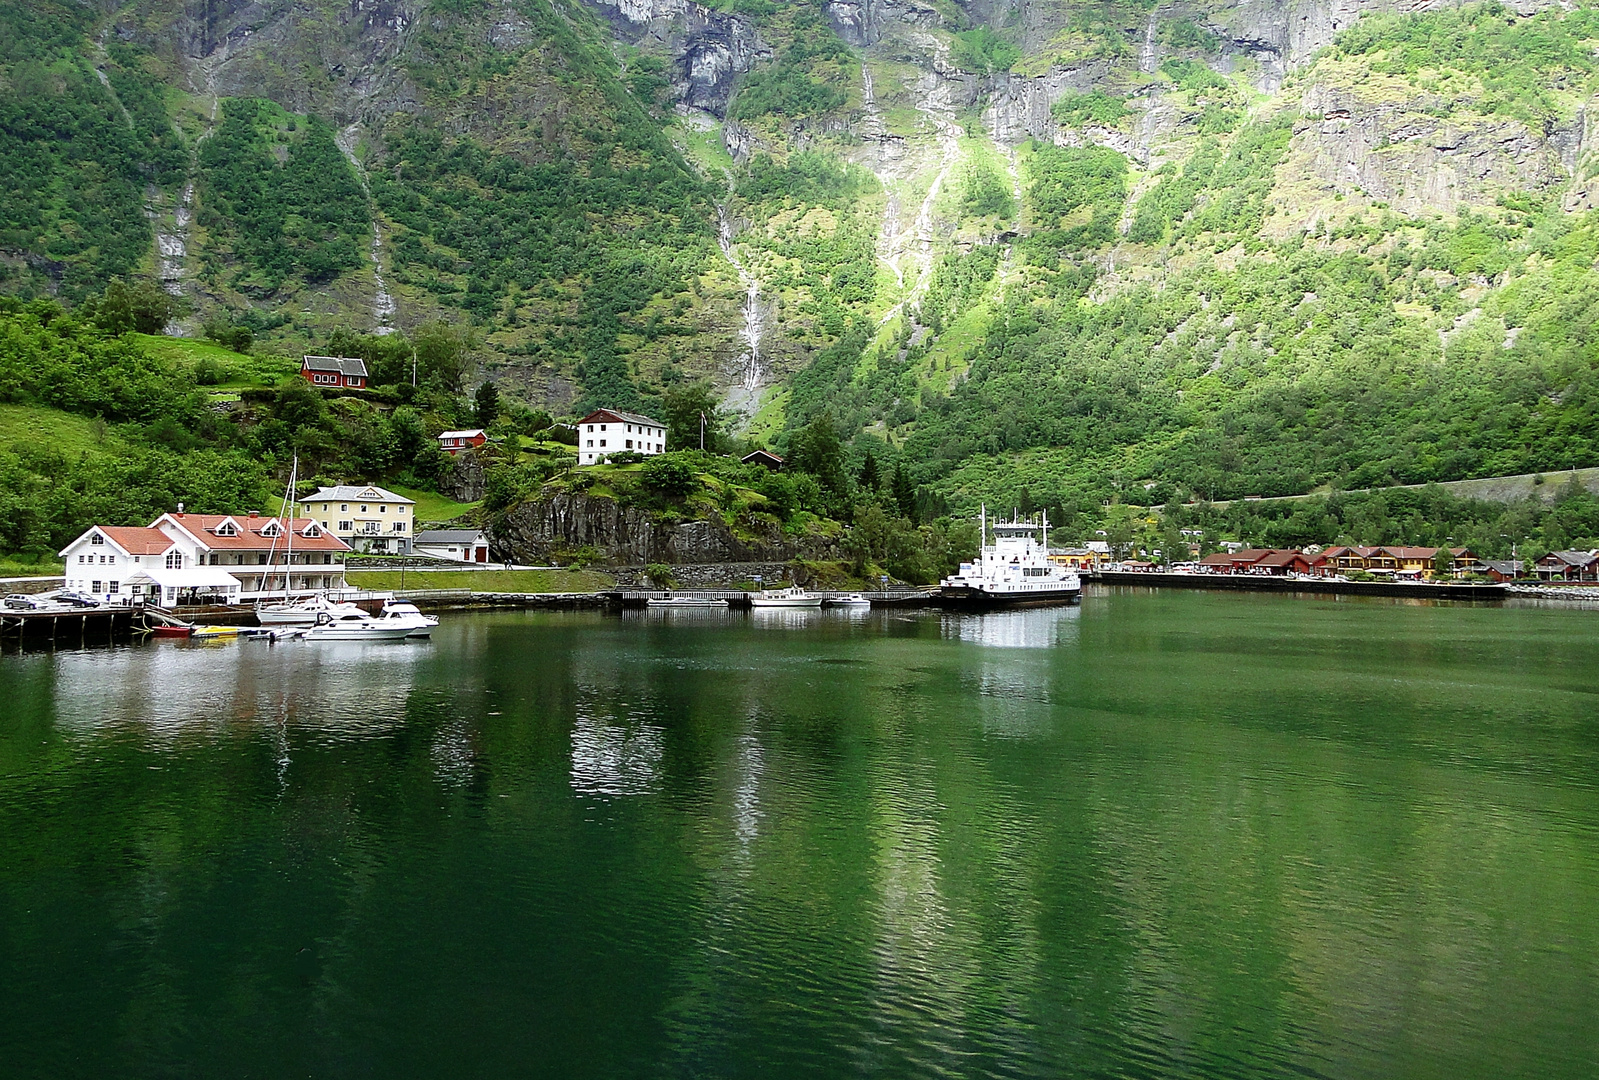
(303, 612)
(793, 597)
(396, 612)
(670, 601)
(360, 627)
(850, 600)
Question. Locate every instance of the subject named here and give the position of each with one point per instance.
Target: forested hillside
(1063, 254)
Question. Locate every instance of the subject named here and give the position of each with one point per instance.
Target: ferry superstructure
(1012, 571)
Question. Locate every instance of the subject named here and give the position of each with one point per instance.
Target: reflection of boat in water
(793, 597)
(672, 601)
(1013, 571)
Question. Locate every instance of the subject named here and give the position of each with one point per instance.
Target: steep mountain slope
(1049, 252)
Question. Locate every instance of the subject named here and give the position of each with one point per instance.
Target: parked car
(76, 599)
(22, 602)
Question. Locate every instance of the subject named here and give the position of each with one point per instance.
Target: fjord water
(1174, 834)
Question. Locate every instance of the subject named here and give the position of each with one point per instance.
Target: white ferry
(1013, 571)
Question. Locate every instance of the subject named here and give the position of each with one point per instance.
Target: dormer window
(312, 531)
(227, 528)
(270, 529)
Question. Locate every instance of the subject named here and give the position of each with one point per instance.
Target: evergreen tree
(869, 477)
(487, 404)
(904, 491)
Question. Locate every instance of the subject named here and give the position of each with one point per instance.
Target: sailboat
(291, 612)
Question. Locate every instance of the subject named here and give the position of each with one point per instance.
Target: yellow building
(370, 519)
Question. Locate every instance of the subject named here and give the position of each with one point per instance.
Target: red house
(334, 371)
(453, 442)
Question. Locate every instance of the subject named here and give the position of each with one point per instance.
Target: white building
(204, 558)
(461, 545)
(369, 519)
(605, 432)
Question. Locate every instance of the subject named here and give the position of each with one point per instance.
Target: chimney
(180, 509)
(255, 513)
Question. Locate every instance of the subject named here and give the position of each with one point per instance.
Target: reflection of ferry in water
(1013, 571)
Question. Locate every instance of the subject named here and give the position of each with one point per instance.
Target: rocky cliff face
(542, 529)
(710, 48)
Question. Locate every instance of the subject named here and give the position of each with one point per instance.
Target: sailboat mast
(288, 567)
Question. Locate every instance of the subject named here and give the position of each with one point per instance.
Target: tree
(869, 477)
(683, 406)
(904, 491)
(816, 449)
(1443, 563)
(143, 307)
(487, 403)
(668, 474)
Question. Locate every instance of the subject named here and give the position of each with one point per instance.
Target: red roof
(1281, 558)
(202, 527)
(137, 541)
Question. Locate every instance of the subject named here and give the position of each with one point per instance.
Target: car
(76, 599)
(22, 602)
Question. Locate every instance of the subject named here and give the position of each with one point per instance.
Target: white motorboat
(360, 627)
(398, 611)
(850, 600)
(304, 612)
(1013, 571)
(793, 597)
(670, 601)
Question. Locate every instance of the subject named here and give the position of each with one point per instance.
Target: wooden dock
(739, 598)
(84, 626)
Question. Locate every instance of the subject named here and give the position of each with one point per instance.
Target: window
(602, 427)
(363, 508)
(591, 428)
(346, 526)
(174, 560)
(94, 586)
(227, 529)
(591, 441)
(399, 509)
(602, 442)
(383, 508)
(630, 444)
(399, 526)
(96, 539)
(83, 558)
(344, 507)
(116, 587)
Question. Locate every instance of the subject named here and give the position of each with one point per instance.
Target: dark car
(76, 599)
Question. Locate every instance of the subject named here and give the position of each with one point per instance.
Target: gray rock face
(711, 48)
(466, 479)
(542, 529)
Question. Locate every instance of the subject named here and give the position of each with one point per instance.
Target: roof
(1504, 566)
(462, 434)
(342, 365)
(450, 536)
(357, 492)
(191, 577)
(1573, 558)
(620, 417)
(1280, 558)
(1221, 558)
(201, 527)
(761, 453)
(135, 540)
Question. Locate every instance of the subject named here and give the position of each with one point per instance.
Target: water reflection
(168, 687)
(610, 758)
(1028, 628)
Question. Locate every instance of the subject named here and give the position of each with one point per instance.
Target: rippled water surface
(1158, 835)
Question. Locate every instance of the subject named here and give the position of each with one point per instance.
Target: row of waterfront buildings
(232, 558)
(1399, 562)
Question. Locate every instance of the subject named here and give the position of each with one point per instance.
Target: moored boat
(1013, 571)
(792, 597)
(398, 612)
(848, 600)
(671, 601)
(360, 627)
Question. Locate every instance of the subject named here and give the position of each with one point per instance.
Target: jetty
(1416, 590)
(740, 598)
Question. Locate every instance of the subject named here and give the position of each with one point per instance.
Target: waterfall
(754, 321)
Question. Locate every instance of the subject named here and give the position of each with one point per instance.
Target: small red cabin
(453, 442)
(334, 371)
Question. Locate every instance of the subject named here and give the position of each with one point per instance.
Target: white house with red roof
(196, 558)
(604, 432)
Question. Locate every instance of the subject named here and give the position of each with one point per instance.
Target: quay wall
(1428, 590)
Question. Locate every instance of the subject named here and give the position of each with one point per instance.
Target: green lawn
(241, 371)
(40, 425)
(516, 581)
(433, 507)
(43, 568)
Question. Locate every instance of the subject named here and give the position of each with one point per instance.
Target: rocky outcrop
(710, 48)
(466, 479)
(862, 22)
(549, 528)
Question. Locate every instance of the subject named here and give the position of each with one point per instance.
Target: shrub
(668, 475)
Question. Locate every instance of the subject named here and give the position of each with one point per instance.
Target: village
(1397, 563)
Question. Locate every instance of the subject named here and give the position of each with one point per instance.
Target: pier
(739, 598)
(1423, 590)
(83, 626)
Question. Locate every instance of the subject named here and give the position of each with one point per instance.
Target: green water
(1177, 834)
